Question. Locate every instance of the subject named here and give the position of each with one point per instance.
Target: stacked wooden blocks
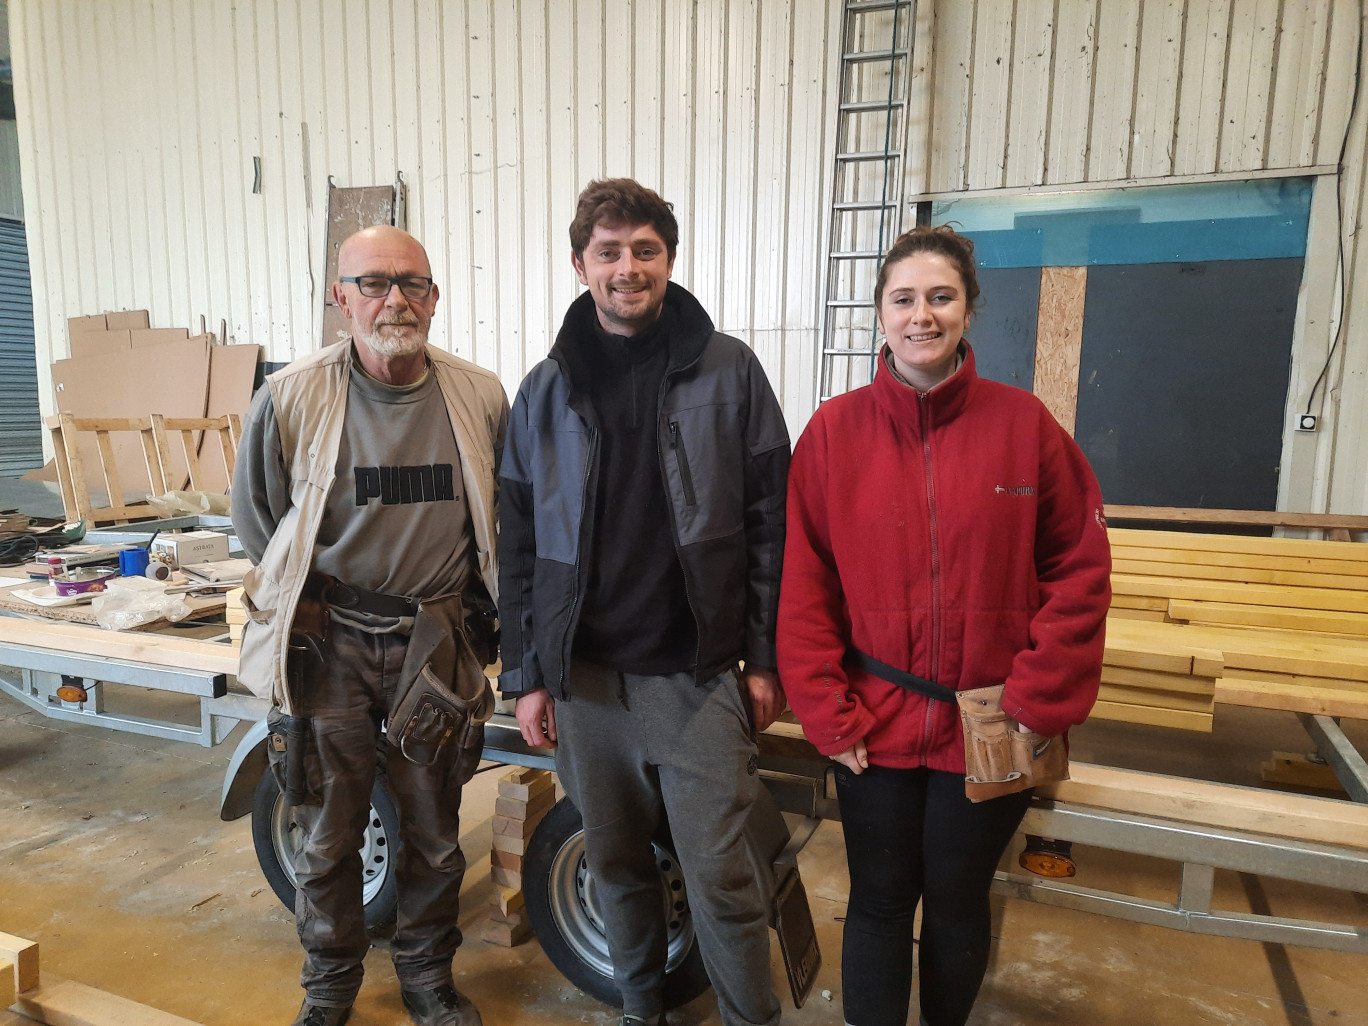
(235, 613)
(525, 796)
(1276, 623)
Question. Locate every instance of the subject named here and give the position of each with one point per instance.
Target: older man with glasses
(365, 494)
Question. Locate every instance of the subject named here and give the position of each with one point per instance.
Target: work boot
(441, 1006)
(636, 1020)
(317, 1015)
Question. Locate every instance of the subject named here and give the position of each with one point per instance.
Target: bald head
(391, 305)
(363, 252)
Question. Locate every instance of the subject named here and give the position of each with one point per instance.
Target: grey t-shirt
(397, 520)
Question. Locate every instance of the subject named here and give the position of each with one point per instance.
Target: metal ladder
(867, 183)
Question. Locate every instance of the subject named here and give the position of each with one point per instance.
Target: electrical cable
(1339, 216)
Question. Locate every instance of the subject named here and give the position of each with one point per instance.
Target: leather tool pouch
(443, 698)
(1000, 755)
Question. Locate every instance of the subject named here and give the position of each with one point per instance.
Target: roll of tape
(157, 570)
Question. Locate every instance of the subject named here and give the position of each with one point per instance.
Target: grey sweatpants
(346, 702)
(631, 748)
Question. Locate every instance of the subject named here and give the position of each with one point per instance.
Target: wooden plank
(1221, 558)
(1152, 603)
(1059, 341)
(1263, 694)
(1147, 615)
(1309, 547)
(1240, 574)
(22, 955)
(1239, 615)
(1246, 517)
(64, 1003)
(1178, 719)
(1166, 684)
(1321, 820)
(158, 650)
(523, 783)
(7, 991)
(1246, 594)
(1287, 769)
(1152, 699)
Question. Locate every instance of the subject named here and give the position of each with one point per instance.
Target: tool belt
(443, 697)
(1000, 755)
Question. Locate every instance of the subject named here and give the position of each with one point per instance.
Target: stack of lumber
(1277, 623)
(525, 796)
(1157, 676)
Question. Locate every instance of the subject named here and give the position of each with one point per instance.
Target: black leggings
(911, 835)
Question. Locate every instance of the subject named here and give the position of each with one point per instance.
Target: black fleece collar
(690, 328)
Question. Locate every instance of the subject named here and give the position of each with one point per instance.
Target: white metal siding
(139, 121)
(1028, 93)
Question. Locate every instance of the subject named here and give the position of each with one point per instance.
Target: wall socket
(1306, 422)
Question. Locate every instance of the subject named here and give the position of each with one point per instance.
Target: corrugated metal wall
(11, 196)
(140, 120)
(21, 435)
(1021, 93)
(1024, 95)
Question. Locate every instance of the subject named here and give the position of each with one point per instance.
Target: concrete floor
(113, 858)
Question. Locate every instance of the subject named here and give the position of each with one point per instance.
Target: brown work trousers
(347, 698)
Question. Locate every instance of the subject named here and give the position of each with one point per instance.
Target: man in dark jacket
(641, 539)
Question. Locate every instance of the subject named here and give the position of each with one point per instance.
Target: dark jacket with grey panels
(724, 453)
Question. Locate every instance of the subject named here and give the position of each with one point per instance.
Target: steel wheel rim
(573, 899)
(374, 850)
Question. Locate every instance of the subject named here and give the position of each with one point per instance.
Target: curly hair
(942, 240)
(618, 201)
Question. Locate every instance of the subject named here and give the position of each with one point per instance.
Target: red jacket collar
(945, 401)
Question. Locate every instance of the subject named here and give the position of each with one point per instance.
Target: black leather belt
(373, 603)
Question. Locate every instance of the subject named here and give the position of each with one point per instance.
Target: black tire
(273, 832)
(561, 906)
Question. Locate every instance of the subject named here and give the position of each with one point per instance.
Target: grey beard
(398, 345)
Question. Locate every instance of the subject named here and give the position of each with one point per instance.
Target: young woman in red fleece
(948, 526)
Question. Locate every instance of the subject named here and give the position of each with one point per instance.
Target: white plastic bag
(121, 609)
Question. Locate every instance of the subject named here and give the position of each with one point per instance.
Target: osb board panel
(1059, 340)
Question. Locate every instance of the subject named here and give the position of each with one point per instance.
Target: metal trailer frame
(801, 785)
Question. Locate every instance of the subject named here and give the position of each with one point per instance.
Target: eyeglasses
(377, 286)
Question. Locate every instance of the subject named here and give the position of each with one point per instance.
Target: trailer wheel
(562, 906)
(276, 839)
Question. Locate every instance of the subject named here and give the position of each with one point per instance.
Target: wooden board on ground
(65, 1003)
(22, 955)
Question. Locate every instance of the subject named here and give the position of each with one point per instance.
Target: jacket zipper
(682, 458)
(674, 523)
(924, 408)
(579, 555)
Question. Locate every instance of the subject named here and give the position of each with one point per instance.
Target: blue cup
(132, 562)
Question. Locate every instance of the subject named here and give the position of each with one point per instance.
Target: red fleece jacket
(957, 534)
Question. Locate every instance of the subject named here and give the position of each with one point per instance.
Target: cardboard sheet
(171, 379)
(232, 371)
